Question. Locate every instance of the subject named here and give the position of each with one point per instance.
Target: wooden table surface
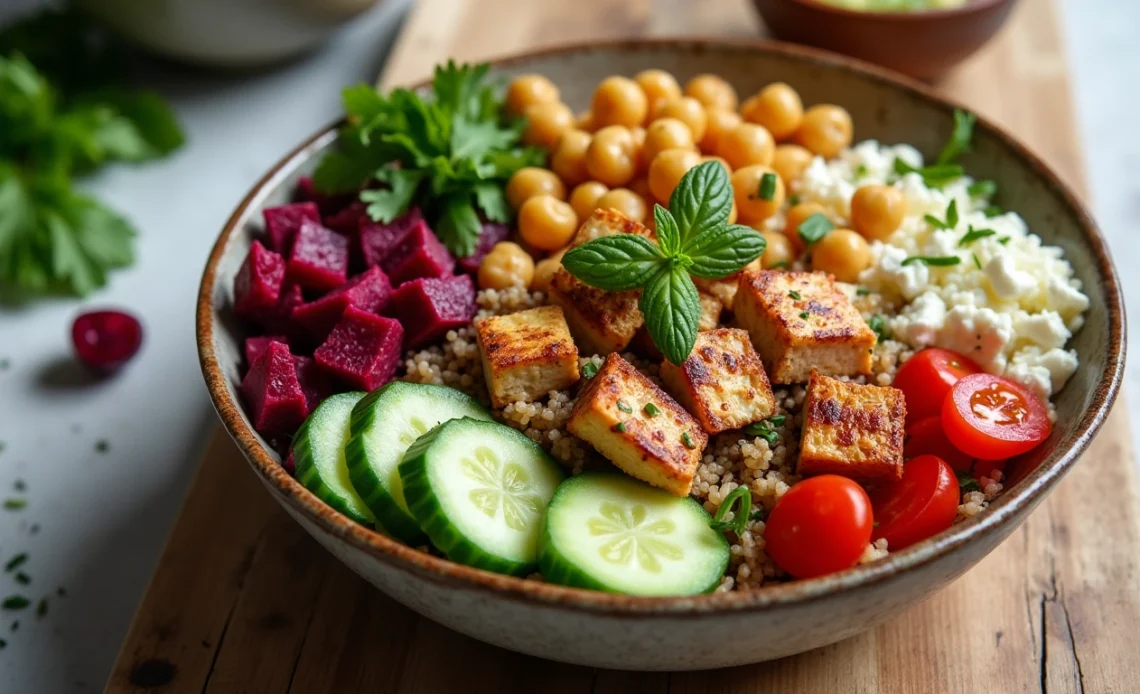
(244, 601)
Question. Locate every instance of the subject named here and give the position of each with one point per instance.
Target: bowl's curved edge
(426, 567)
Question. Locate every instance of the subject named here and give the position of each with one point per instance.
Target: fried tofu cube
(638, 427)
(722, 383)
(725, 289)
(802, 320)
(527, 354)
(852, 430)
(711, 308)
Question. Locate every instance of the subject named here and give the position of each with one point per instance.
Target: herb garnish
(41, 608)
(624, 407)
(984, 188)
(14, 602)
(966, 483)
(977, 263)
(933, 260)
(589, 370)
(16, 561)
(741, 499)
(767, 186)
(23, 578)
(860, 171)
(951, 217)
(766, 428)
(13, 504)
(620, 427)
(804, 315)
(795, 295)
(814, 228)
(878, 325)
(933, 176)
(693, 238)
(687, 440)
(862, 291)
(959, 142)
(1003, 240)
(973, 235)
(651, 409)
(992, 211)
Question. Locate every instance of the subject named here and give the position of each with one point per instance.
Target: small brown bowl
(921, 44)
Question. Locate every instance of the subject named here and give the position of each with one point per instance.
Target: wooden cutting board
(244, 601)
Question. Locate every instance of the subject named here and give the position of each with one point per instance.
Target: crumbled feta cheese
(1008, 282)
(978, 333)
(1043, 372)
(919, 321)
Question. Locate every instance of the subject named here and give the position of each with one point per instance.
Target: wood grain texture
(244, 601)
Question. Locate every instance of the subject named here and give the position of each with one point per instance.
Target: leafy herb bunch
(694, 238)
(450, 151)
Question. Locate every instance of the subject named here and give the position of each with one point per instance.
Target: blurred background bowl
(922, 44)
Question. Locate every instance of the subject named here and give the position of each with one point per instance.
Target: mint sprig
(693, 238)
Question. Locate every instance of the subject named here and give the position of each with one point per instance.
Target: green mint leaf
(982, 189)
(615, 263)
(973, 235)
(668, 235)
(767, 186)
(959, 142)
(491, 199)
(458, 225)
(814, 228)
(721, 252)
(701, 201)
(385, 204)
(672, 310)
(933, 260)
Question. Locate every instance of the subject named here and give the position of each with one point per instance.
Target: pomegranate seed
(105, 340)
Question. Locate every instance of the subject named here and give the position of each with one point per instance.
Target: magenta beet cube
(273, 391)
(319, 258)
(347, 220)
(255, 346)
(428, 307)
(363, 349)
(258, 282)
(368, 291)
(282, 223)
(492, 233)
(329, 203)
(419, 254)
(376, 241)
(314, 383)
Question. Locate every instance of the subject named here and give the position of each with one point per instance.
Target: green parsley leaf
(739, 501)
(973, 235)
(386, 204)
(933, 260)
(982, 189)
(767, 186)
(814, 228)
(701, 202)
(722, 251)
(878, 325)
(793, 200)
(492, 201)
(615, 263)
(672, 310)
(959, 142)
(458, 225)
(589, 370)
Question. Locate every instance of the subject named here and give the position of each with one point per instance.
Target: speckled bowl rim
(443, 572)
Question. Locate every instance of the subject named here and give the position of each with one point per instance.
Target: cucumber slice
(608, 532)
(318, 450)
(384, 424)
(479, 490)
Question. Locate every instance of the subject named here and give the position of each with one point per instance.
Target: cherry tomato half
(926, 437)
(927, 377)
(821, 525)
(992, 417)
(923, 503)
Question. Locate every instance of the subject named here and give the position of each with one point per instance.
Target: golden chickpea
(547, 223)
(584, 198)
(641, 187)
(619, 101)
(611, 157)
(825, 130)
(528, 90)
(531, 181)
(747, 186)
(877, 211)
(780, 251)
(796, 216)
(544, 271)
(719, 160)
(666, 170)
(658, 86)
(843, 253)
(640, 162)
(712, 91)
(667, 133)
(569, 157)
(507, 265)
(777, 107)
(545, 123)
(687, 110)
(746, 144)
(720, 121)
(790, 161)
(625, 201)
(585, 121)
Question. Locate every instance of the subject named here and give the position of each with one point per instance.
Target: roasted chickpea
(687, 110)
(877, 211)
(843, 253)
(547, 223)
(658, 86)
(746, 187)
(796, 216)
(531, 181)
(585, 121)
(666, 170)
(619, 101)
(640, 162)
(545, 123)
(544, 271)
(584, 198)
(528, 90)
(746, 144)
(667, 133)
(719, 160)
(825, 130)
(507, 265)
(625, 201)
(569, 157)
(611, 157)
(641, 187)
(777, 107)
(720, 121)
(780, 251)
(712, 91)
(790, 161)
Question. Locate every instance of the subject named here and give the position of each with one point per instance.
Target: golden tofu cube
(638, 427)
(725, 289)
(527, 354)
(711, 308)
(852, 430)
(722, 383)
(802, 320)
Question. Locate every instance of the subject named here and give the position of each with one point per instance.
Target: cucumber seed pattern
(634, 537)
(502, 485)
(416, 429)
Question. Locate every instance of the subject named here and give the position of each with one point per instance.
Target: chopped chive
(15, 562)
(860, 171)
(959, 141)
(764, 430)
(688, 441)
(23, 578)
(756, 515)
(795, 295)
(13, 504)
(862, 291)
(982, 189)
(621, 405)
(977, 263)
(41, 608)
(804, 315)
(878, 325)
(14, 602)
(933, 260)
(993, 211)
(933, 176)
(767, 186)
(973, 235)
(651, 409)
(620, 427)
(935, 222)
(589, 370)
(778, 420)
(814, 228)
(739, 517)
(1003, 240)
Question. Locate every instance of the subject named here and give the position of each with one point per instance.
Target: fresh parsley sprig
(945, 170)
(693, 238)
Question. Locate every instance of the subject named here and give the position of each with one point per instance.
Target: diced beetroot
(314, 383)
(329, 203)
(258, 281)
(289, 464)
(363, 349)
(282, 223)
(375, 241)
(420, 254)
(319, 258)
(255, 346)
(273, 391)
(429, 307)
(492, 233)
(279, 319)
(347, 220)
(368, 291)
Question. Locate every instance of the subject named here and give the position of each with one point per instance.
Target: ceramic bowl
(920, 44)
(706, 631)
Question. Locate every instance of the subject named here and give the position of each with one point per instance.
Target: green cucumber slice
(479, 490)
(318, 450)
(608, 532)
(384, 424)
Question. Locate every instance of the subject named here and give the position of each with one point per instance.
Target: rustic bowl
(706, 631)
(920, 44)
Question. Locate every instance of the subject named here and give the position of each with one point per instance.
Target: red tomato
(923, 503)
(992, 418)
(927, 377)
(926, 437)
(985, 468)
(821, 525)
